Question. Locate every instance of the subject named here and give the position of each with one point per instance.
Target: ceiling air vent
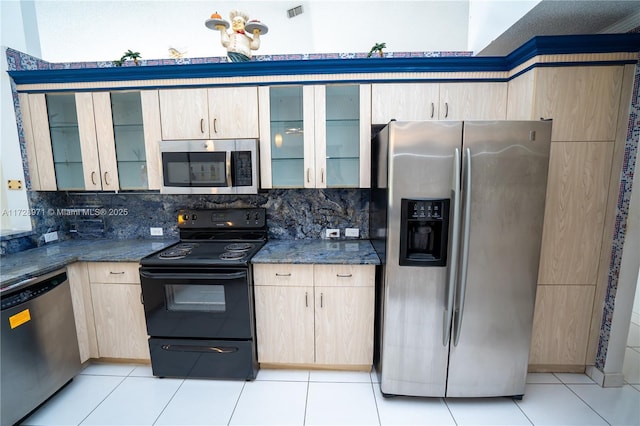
(294, 11)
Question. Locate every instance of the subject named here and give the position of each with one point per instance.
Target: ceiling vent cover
(294, 11)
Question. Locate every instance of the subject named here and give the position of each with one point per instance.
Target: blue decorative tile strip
(622, 212)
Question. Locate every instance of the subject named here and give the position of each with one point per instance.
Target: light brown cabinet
(315, 314)
(120, 325)
(434, 101)
(585, 105)
(220, 113)
(90, 141)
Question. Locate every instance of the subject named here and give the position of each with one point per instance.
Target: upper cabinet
(315, 136)
(89, 141)
(433, 101)
(219, 113)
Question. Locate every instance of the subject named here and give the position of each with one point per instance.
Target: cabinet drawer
(344, 275)
(113, 272)
(283, 274)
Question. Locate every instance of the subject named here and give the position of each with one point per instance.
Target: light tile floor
(124, 394)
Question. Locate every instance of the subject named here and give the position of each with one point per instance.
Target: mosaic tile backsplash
(291, 214)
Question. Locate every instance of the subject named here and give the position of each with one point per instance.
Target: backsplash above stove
(291, 213)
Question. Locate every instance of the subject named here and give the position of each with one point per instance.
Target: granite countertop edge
(344, 252)
(35, 262)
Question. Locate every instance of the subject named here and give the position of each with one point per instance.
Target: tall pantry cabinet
(589, 108)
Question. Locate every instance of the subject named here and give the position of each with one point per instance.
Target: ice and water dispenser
(424, 232)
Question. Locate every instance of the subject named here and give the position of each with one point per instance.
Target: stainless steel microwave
(228, 166)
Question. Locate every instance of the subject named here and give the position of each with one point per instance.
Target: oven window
(200, 298)
(195, 168)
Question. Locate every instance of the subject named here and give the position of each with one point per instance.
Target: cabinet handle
(321, 300)
(215, 127)
(322, 175)
(116, 273)
(202, 125)
(283, 275)
(433, 109)
(308, 175)
(306, 299)
(106, 181)
(446, 109)
(141, 299)
(93, 178)
(344, 275)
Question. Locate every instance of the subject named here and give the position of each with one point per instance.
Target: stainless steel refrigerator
(456, 216)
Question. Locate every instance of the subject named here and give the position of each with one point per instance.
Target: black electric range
(198, 296)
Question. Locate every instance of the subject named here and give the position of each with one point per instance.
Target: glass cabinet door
(343, 135)
(126, 110)
(287, 143)
(65, 141)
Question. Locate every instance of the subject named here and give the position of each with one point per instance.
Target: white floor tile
(142, 371)
(283, 375)
(339, 376)
(486, 411)
(542, 378)
(634, 336)
(271, 403)
(618, 406)
(74, 402)
(556, 405)
(574, 379)
(137, 401)
(399, 410)
(631, 366)
(341, 404)
(202, 402)
(103, 369)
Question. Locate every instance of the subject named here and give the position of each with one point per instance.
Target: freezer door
(492, 329)
(413, 356)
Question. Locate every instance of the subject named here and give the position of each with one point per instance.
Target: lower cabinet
(108, 310)
(319, 315)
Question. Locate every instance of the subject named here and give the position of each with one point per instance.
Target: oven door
(197, 302)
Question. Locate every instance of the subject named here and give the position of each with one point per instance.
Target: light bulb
(278, 140)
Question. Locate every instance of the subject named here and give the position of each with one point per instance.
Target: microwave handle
(229, 166)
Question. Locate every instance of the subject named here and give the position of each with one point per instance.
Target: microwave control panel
(242, 170)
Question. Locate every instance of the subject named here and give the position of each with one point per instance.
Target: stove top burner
(241, 247)
(232, 255)
(178, 251)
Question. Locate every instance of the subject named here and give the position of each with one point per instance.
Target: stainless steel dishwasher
(39, 343)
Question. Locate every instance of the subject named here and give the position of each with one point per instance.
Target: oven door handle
(192, 276)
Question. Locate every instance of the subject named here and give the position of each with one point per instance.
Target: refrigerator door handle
(465, 248)
(455, 247)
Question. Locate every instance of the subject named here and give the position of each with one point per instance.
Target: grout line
(520, 408)
(236, 404)
(586, 403)
(306, 400)
(103, 399)
(375, 401)
(449, 409)
(168, 402)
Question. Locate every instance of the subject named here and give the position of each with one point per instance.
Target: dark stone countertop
(356, 252)
(35, 262)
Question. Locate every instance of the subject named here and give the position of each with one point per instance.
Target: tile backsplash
(291, 213)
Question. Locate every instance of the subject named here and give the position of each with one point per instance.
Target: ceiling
(564, 17)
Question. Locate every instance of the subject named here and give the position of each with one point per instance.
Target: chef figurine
(239, 45)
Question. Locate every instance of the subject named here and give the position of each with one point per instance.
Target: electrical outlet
(50, 236)
(157, 232)
(332, 233)
(352, 232)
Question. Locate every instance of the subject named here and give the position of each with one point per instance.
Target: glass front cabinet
(315, 136)
(89, 141)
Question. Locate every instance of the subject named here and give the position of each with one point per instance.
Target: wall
(103, 30)
(20, 31)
